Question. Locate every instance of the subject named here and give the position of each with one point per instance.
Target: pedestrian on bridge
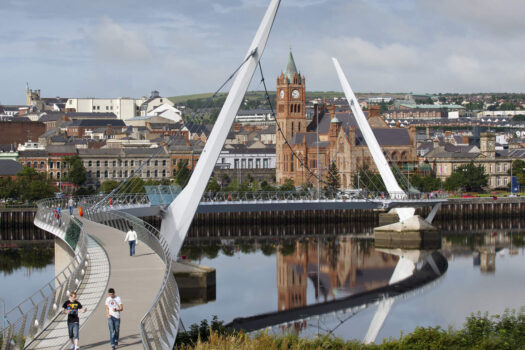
(71, 307)
(70, 204)
(131, 238)
(113, 309)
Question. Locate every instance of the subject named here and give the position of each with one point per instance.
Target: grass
(480, 331)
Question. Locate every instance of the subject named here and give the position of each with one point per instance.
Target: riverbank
(480, 331)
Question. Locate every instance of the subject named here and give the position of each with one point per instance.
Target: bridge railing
(27, 319)
(159, 326)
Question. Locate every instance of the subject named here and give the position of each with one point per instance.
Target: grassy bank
(480, 331)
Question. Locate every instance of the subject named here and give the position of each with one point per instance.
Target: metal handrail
(159, 325)
(35, 313)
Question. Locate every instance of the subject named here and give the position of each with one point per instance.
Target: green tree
(32, 185)
(426, 184)
(288, 185)
(183, 173)
(108, 186)
(213, 185)
(518, 171)
(365, 178)
(77, 173)
(333, 179)
(470, 178)
(266, 187)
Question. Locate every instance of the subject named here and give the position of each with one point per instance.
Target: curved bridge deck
(132, 278)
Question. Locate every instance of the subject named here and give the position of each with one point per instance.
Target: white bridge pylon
(179, 215)
(380, 161)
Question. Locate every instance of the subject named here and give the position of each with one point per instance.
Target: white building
(255, 156)
(123, 107)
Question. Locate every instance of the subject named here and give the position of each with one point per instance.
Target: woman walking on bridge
(131, 238)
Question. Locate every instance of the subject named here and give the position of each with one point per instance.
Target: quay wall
(17, 224)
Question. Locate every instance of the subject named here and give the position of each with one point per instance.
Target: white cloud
(113, 43)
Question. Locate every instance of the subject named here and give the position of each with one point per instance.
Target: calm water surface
(485, 273)
(24, 268)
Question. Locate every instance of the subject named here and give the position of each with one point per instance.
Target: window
(174, 161)
(58, 165)
(243, 163)
(147, 163)
(51, 175)
(120, 173)
(265, 163)
(223, 160)
(105, 163)
(257, 163)
(156, 163)
(499, 170)
(58, 175)
(491, 169)
(125, 163)
(98, 174)
(114, 173)
(105, 174)
(114, 163)
(156, 173)
(164, 173)
(35, 165)
(506, 181)
(148, 173)
(505, 167)
(125, 173)
(236, 164)
(291, 163)
(140, 162)
(132, 162)
(98, 163)
(250, 163)
(164, 162)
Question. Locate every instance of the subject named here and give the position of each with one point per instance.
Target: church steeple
(291, 70)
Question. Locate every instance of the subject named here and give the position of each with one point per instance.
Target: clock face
(295, 94)
(282, 94)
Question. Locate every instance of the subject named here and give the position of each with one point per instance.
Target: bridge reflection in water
(325, 280)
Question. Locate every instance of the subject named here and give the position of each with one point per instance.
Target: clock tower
(291, 114)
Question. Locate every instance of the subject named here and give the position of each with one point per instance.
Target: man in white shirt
(113, 309)
(131, 238)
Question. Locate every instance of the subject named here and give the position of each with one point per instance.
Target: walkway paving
(91, 291)
(135, 279)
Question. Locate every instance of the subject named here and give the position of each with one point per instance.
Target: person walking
(113, 309)
(70, 204)
(71, 307)
(131, 238)
(58, 215)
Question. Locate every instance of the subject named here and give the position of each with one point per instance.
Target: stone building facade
(305, 149)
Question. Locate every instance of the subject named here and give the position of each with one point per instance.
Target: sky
(127, 48)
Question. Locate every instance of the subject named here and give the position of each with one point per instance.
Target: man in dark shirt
(71, 308)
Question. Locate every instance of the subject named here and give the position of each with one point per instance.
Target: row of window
(106, 174)
(97, 163)
(248, 164)
(498, 167)
(42, 165)
(97, 108)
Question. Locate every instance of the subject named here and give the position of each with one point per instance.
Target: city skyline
(128, 48)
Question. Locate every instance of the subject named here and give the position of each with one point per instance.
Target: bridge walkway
(132, 279)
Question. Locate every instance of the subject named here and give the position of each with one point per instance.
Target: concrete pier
(413, 233)
(197, 283)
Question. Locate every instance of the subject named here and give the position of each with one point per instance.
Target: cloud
(113, 43)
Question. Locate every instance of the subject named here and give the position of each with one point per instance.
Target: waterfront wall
(16, 224)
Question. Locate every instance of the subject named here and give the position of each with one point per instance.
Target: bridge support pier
(63, 255)
(412, 233)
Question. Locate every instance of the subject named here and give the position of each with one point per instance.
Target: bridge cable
(127, 185)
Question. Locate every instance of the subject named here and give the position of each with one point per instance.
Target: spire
(291, 69)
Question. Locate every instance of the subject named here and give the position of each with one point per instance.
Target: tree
(518, 171)
(288, 185)
(369, 180)
(333, 179)
(183, 173)
(426, 184)
(32, 185)
(213, 185)
(77, 173)
(470, 178)
(266, 187)
(108, 186)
